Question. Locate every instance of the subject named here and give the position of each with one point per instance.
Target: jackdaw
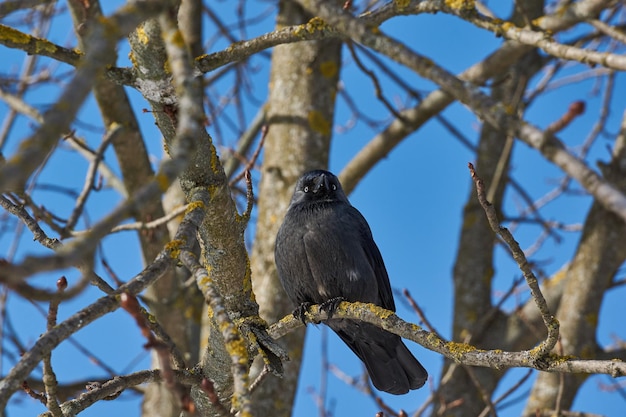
(325, 254)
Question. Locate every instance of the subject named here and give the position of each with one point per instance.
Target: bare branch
(13, 38)
(143, 225)
(575, 109)
(549, 146)
(129, 303)
(103, 36)
(458, 352)
(90, 178)
(209, 390)
(115, 386)
(518, 254)
(618, 35)
(49, 377)
(438, 100)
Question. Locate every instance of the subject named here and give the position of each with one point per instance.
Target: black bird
(325, 253)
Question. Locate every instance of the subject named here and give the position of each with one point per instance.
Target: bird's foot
(331, 306)
(300, 312)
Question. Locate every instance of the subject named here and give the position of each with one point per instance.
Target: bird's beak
(321, 183)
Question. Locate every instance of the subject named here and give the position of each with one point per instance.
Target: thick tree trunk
(300, 113)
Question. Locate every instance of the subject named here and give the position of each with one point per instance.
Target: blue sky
(413, 201)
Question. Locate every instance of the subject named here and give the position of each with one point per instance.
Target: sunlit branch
(377, 87)
(241, 50)
(435, 102)
(78, 249)
(609, 30)
(458, 352)
(33, 45)
(18, 105)
(143, 225)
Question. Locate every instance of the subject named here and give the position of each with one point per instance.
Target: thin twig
(323, 390)
(378, 91)
(209, 390)
(422, 408)
(249, 197)
(231, 158)
(574, 110)
(253, 158)
(49, 377)
(489, 406)
(609, 30)
(33, 394)
(129, 303)
(508, 392)
(116, 385)
(149, 225)
(89, 184)
(550, 322)
(257, 381)
(420, 313)
(486, 320)
(386, 408)
(39, 235)
(600, 124)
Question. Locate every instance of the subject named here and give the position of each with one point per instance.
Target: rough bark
(221, 234)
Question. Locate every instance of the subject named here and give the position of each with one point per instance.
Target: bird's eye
(306, 188)
(334, 187)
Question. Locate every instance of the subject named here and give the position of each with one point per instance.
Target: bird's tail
(391, 366)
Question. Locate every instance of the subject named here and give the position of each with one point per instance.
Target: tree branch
(102, 39)
(548, 319)
(49, 340)
(458, 352)
(548, 145)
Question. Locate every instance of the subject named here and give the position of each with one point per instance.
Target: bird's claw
(300, 312)
(331, 306)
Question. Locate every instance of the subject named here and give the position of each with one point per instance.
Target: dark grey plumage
(325, 250)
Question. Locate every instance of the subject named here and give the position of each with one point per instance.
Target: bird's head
(318, 186)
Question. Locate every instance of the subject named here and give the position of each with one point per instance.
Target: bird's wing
(375, 260)
(292, 263)
(319, 251)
